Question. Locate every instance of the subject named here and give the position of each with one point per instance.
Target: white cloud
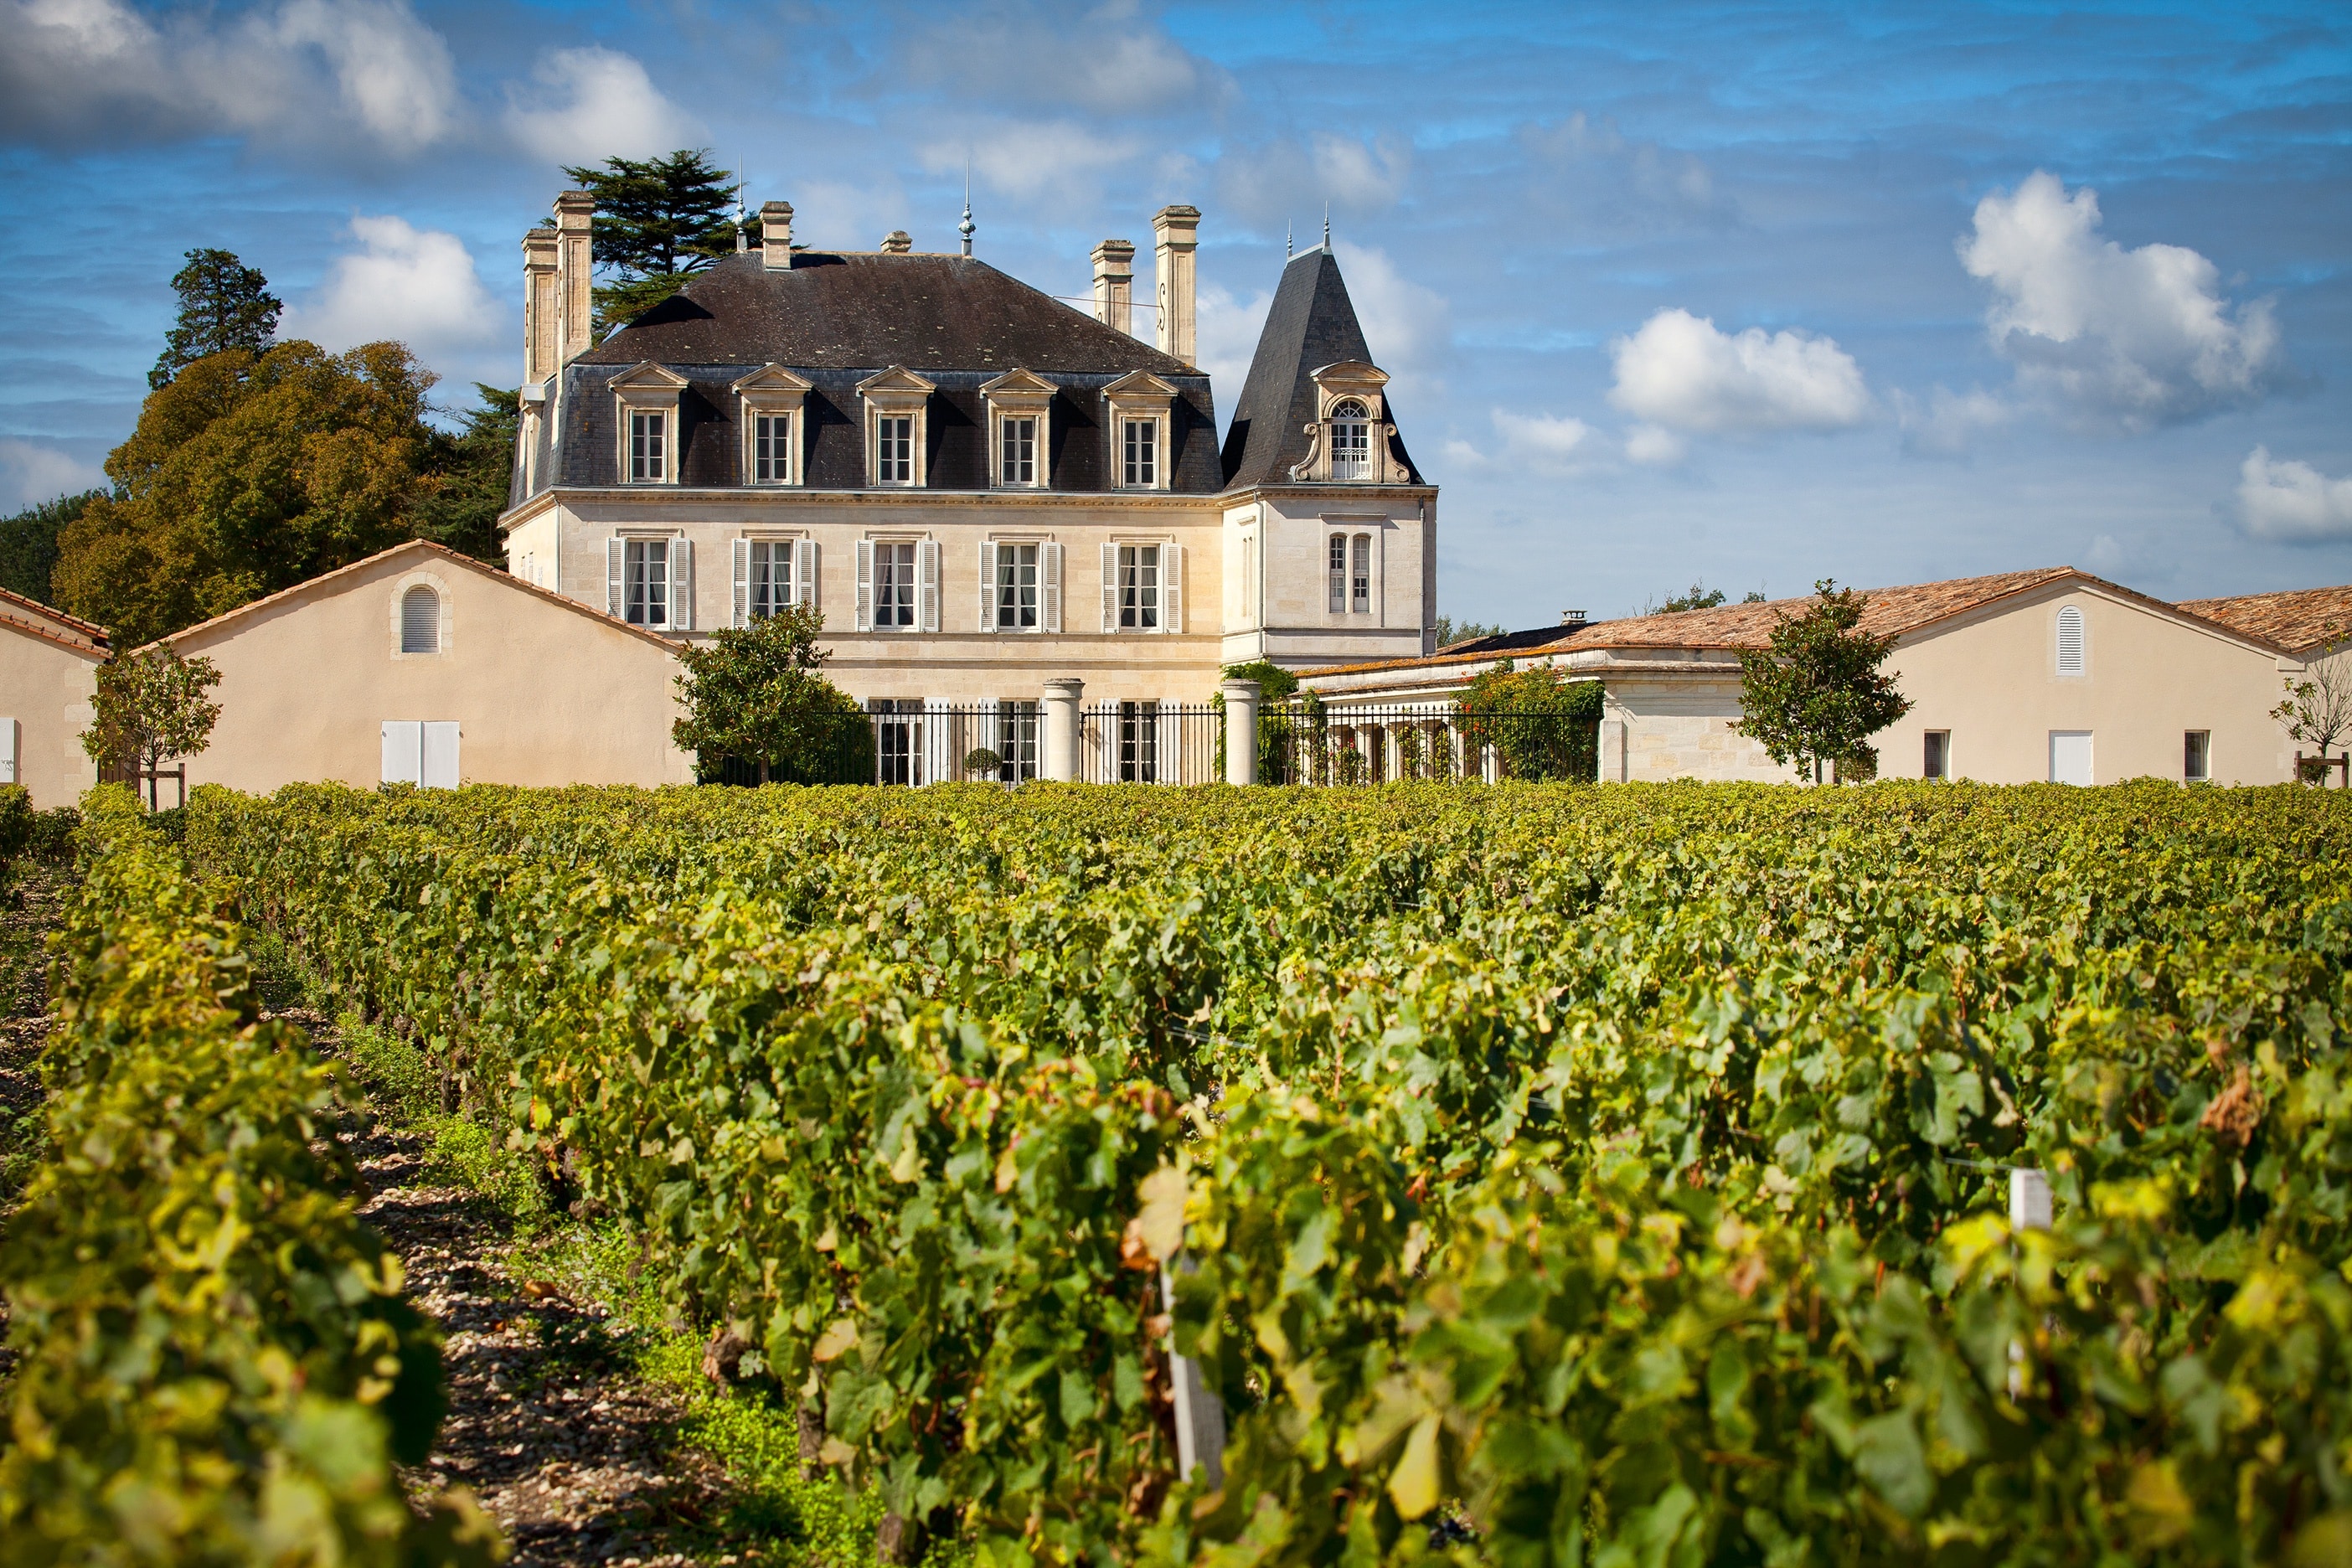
(1589, 176)
(1948, 422)
(1224, 334)
(1107, 58)
(31, 474)
(1462, 454)
(1289, 181)
(1408, 326)
(1035, 162)
(2292, 502)
(413, 286)
(1556, 442)
(1655, 447)
(310, 71)
(1681, 372)
(589, 104)
(2143, 336)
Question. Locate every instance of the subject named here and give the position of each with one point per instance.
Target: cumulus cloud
(1275, 181)
(31, 474)
(1679, 372)
(587, 104)
(1945, 424)
(1557, 442)
(1035, 162)
(2140, 337)
(414, 285)
(307, 70)
(1408, 326)
(1106, 58)
(1654, 448)
(2292, 502)
(1224, 332)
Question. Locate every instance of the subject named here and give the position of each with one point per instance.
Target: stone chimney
(1115, 284)
(1178, 229)
(897, 243)
(776, 236)
(1571, 617)
(575, 262)
(538, 310)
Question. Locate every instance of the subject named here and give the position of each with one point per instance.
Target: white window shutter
(10, 730)
(1171, 588)
(404, 750)
(864, 584)
(927, 585)
(1110, 587)
(988, 584)
(614, 550)
(1049, 587)
(742, 548)
(1171, 747)
(805, 572)
(681, 584)
(437, 755)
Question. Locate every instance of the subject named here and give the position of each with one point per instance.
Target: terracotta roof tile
(2297, 621)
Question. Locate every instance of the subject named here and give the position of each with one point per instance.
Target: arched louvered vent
(2073, 657)
(420, 621)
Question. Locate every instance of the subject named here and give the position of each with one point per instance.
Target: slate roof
(1311, 323)
(837, 317)
(2298, 621)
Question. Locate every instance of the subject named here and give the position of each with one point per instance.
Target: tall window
(645, 581)
(1359, 589)
(894, 584)
(1016, 730)
(1017, 587)
(894, 455)
(771, 585)
(1138, 587)
(1017, 462)
(1937, 764)
(1139, 743)
(420, 620)
(897, 739)
(1140, 446)
(2073, 654)
(1339, 574)
(2197, 756)
(771, 449)
(1351, 441)
(648, 446)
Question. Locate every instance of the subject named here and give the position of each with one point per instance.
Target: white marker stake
(2029, 1209)
(1199, 1414)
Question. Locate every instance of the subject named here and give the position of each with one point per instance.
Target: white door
(2070, 756)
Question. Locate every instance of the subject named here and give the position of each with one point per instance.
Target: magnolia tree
(2318, 707)
(1815, 695)
(152, 709)
(756, 695)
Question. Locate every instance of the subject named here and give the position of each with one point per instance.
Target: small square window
(2197, 756)
(1937, 764)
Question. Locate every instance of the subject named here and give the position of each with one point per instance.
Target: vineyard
(1535, 1174)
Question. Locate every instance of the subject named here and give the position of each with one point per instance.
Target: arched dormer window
(420, 620)
(1352, 440)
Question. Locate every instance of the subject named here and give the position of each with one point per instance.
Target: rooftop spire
(742, 244)
(1326, 225)
(1286, 239)
(967, 227)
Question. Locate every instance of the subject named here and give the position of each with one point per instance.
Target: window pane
(1017, 728)
(1363, 583)
(420, 621)
(1139, 586)
(1139, 743)
(1017, 587)
(644, 582)
(1140, 441)
(893, 586)
(646, 447)
(1018, 461)
(1339, 574)
(1351, 441)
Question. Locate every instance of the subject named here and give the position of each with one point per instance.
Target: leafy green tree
(658, 222)
(468, 473)
(1816, 695)
(224, 305)
(756, 695)
(2317, 709)
(1449, 633)
(1700, 597)
(151, 708)
(28, 544)
(249, 473)
(1544, 726)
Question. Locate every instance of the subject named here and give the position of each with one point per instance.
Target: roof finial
(742, 244)
(1286, 239)
(967, 227)
(1326, 225)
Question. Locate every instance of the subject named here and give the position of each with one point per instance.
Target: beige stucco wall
(1669, 725)
(1991, 679)
(543, 694)
(45, 688)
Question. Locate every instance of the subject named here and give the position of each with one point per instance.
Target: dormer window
(1141, 406)
(1352, 440)
(648, 446)
(1019, 411)
(1349, 442)
(645, 400)
(1139, 441)
(894, 452)
(896, 400)
(771, 400)
(1017, 457)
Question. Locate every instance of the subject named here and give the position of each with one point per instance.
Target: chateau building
(979, 487)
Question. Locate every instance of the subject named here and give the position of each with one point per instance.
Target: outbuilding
(49, 678)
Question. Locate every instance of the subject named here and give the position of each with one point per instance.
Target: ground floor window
(2197, 756)
(1016, 741)
(1139, 743)
(1938, 761)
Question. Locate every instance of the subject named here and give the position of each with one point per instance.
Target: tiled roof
(2298, 621)
(51, 622)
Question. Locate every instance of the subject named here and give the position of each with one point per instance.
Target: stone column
(1062, 696)
(1612, 751)
(1241, 732)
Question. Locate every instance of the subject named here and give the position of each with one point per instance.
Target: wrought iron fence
(916, 742)
(1311, 742)
(1151, 742)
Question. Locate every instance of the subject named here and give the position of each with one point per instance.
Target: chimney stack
(1571, 617)
(538, 311)
(575, 261)
(776, 236)
(1114, 285)
(1178, 229)
(897, 243)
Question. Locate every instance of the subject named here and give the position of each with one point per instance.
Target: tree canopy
(1816, 695)
(658, 222)
(28, 544)
(757, 697)
(1450, 631)
(224, 305)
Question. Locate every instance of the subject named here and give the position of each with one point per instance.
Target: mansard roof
(852, 310)
(1311, 326)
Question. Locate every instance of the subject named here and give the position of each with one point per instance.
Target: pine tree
(224, 304)
(466, 476)
(658, 222)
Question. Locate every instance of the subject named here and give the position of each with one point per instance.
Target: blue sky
(1753, 293)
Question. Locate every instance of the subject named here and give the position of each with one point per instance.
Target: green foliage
(756, 695)
(467, 477)
(224, 306)
(28, 544)
(1619, 1172)
(1546, 728)
(216, 1364)
(247, 474)
(1816, 695)
(1274, 684)
(1450, 632)
(658, 221)
(150, 708)
(1699, 598)
(2318, 708)
(18, 822)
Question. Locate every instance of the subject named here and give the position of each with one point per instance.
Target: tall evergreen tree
(224, 304)
(467, 477)
(658, 222)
